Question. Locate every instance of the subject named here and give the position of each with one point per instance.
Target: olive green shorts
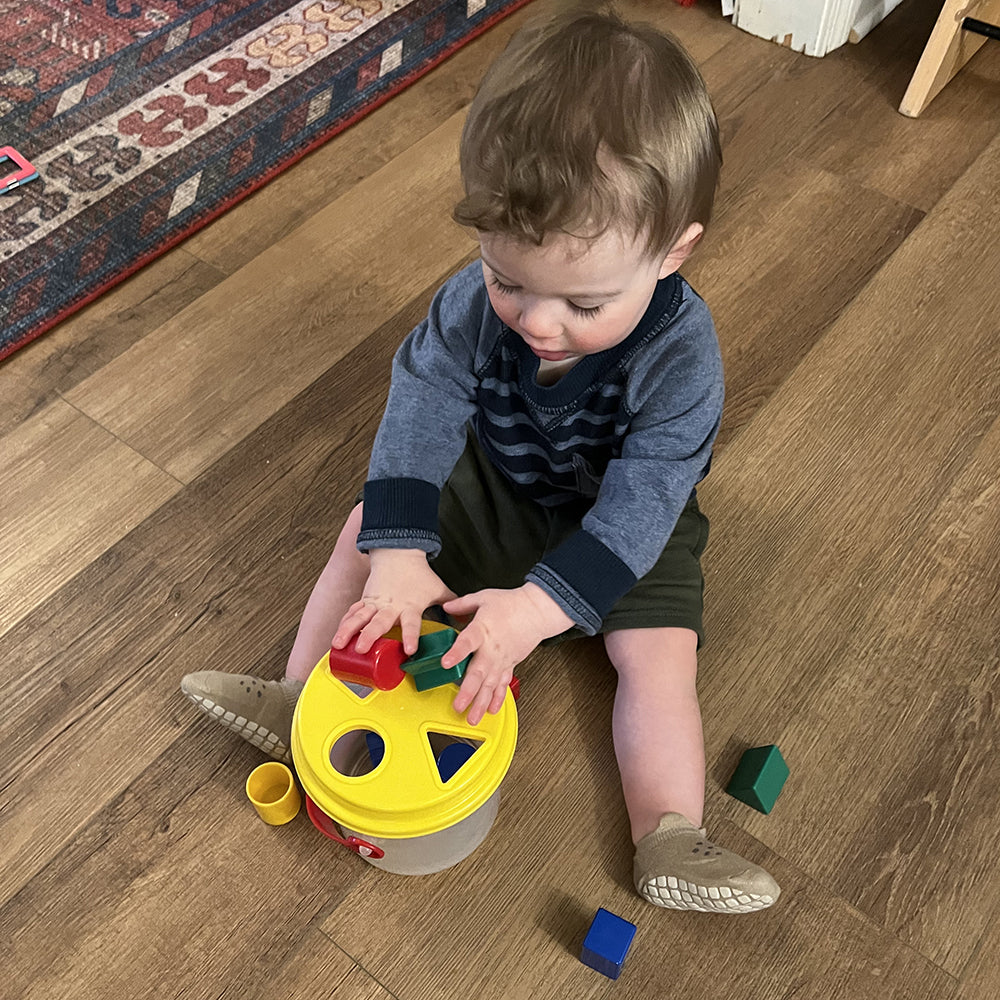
(491, 537)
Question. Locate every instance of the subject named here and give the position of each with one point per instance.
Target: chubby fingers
(482, 690)
(366, 621)
(356, 618)
(486, 698)
(462, 608)
(475, 696)
(409, 625)
(465, 644)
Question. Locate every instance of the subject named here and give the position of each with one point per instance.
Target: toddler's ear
(682, 249)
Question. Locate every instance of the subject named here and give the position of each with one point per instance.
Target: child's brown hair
(585, 123)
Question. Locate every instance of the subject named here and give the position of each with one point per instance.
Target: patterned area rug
(145, 119)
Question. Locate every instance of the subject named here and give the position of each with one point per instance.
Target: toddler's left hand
(506, 626)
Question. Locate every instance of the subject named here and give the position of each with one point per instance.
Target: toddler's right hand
(400, 587)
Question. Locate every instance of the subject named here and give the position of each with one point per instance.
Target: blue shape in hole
(376, 748)
(451, 759)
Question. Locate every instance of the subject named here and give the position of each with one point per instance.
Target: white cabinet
(814, 27)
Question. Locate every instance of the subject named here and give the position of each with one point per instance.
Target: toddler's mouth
(551, 355)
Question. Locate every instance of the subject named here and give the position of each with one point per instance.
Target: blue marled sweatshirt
(631, 427)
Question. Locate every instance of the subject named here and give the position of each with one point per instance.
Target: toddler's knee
(635, 652)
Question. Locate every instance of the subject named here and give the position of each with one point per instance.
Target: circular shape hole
(356, 753)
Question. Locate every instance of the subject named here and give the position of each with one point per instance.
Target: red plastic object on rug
(380, 667)
(25, 171)
(687, 3)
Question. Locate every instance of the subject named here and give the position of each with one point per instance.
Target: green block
(759, 777)
(430, 648)
(438, 676)
(425, 664)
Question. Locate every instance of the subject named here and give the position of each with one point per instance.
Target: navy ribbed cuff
(400, 510)
(591, 577)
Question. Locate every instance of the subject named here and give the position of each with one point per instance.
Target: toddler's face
(570, 297)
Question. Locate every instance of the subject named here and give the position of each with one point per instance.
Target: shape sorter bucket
(370, 763)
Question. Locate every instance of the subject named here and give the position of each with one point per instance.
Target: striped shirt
(630, 428)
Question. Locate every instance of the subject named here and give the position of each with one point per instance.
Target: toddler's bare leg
(657, 725)
(338, 587)
(661, 756)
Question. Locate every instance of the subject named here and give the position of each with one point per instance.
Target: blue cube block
(607, 943)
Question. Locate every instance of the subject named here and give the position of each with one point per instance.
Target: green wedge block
(438, 676)
(425, 664)
(759, 777)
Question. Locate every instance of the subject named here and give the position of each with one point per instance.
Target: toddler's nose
(538, 323)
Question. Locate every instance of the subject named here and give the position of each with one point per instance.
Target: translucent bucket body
(423, 855)
(370, 762)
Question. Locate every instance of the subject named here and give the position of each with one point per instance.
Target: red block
(380, 667)
(515, 687)
(687, 3)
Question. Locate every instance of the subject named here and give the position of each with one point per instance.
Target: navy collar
(590, 369)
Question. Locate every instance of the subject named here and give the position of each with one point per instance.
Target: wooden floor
(178, 458)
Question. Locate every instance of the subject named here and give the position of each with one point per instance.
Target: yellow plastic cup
(272, 791)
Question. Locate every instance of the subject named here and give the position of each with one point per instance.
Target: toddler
(534, 472)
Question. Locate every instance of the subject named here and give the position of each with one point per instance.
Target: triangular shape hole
(451, 753)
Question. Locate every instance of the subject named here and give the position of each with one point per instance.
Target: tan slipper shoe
(678, 867)
(260, 711)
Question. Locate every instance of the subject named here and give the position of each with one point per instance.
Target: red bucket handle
(324, 824)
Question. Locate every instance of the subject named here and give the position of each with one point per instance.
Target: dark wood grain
(782, 262)
(100, 332)
(211, 580)
(852, 585)
(859, 511)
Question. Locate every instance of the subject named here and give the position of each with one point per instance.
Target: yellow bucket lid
(404, 795)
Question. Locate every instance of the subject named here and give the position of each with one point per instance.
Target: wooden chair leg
(948, 50)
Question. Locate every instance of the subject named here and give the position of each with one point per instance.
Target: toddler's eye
(585, 311)
(501, 287)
